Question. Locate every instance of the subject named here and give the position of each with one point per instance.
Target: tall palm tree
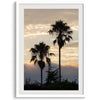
(40, 54)
(63, 32)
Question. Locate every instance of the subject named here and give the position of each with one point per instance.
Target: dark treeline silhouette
(63, 85)
(41, 55)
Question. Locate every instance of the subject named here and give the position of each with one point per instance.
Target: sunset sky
(36, 25)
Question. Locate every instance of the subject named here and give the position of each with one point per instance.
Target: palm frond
(47, 47)
(60, 27)
(35, 61)
(33, 50)
(67, 39)
(41, 64)
(51, 54)
(50, 31)
(69, 32)
(54, 42)
(33, 58)
(70, 37)
(48, 60)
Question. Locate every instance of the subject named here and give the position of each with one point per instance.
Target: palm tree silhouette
(63, 32)
(40, 54)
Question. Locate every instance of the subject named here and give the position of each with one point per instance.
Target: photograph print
(51, 49)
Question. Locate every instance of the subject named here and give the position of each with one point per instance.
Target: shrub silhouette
(52, 75)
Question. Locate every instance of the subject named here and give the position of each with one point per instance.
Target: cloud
(75, 28)
(48, 16)
(69, 71)
(36, 29)
(39, 20)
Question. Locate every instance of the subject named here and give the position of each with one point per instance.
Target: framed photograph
(49, 50)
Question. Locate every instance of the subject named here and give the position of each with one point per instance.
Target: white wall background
(91, 48)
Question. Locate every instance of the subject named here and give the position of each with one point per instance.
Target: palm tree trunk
(59, 64)
(41, 77)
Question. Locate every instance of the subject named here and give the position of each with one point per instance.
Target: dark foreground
(64, 85)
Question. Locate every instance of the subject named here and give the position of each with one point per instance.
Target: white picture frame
(20, 6)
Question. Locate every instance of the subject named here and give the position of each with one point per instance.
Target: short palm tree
(63, 32)
(40, 54)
